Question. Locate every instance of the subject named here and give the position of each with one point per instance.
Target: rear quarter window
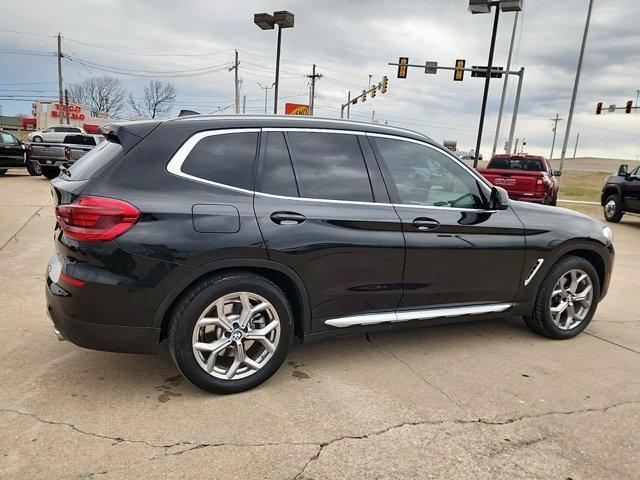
(94, 161)
(227, 158)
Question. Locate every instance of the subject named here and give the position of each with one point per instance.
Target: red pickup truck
(526, 177)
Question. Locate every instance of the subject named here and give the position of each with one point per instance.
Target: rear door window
(227, 158)
(330, 166)
(277, 171)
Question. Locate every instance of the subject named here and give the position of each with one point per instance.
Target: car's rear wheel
(50, 172)
(3, 171)
(231, 332)
(37, 138)
(34, 169)
(567, 299)
(613, 209)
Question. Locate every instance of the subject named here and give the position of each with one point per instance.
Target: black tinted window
(425, 176)
(277, 172)
(227, 158)
(94, 161)
(330, 166)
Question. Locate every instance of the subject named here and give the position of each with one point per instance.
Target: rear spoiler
(127, 134)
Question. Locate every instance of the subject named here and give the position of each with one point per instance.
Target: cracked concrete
(476, 400)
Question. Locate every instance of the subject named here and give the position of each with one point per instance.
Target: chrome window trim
(175, 166)
(422, 314)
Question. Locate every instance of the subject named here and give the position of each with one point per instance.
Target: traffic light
(364, 95)
(458, 74)
(373, 92)
(385, 81)
(599, 108)
(402, 67)
(629, 106)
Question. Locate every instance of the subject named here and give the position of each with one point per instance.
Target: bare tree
(157, 102)
(102, 95)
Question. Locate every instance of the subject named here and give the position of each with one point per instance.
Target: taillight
(67, 153)
(96, 219)
(29, 151)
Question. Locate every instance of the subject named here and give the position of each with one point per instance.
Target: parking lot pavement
(475, 400)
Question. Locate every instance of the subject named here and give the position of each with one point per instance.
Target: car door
(11, 151)
(631, 191)
(458, 252)
(49, 135)
(326, 215)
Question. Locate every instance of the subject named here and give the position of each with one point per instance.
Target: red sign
(296, 109)
(60, 110)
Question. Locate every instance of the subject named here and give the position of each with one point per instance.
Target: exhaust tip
(59, 334)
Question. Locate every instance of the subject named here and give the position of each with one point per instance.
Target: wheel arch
(284, 277)
(609, 190)
(591, 251)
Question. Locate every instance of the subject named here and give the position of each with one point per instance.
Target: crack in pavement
(15, 235)
(611, 342)
(300, 475)
(320, 446)
(417, 374)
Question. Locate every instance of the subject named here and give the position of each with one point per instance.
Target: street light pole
(516, 107)
(275, 94)
(576, 85)
(486, 86)
(266, 92)
(505, 84)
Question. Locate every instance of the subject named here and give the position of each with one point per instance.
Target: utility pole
(637, 96)
(60, 99)
(516, 107)
(244, 104)
(575, 150)
(555, 128)
(576, 85)
(266, 94)
(516, 149)
(237, 82)
(486, 86)
(66, 104)
(349, 105)
(505, 84)
(373, 116)
(312, 94)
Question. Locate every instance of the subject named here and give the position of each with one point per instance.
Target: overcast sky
(348, 40)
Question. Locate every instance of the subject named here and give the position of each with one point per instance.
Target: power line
(28, 33)
(149, 54)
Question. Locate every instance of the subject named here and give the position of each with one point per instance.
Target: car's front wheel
(231, 332)
(37, 138)
(567, 299)
(613, 209)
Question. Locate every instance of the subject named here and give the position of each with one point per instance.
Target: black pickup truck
(621, 194)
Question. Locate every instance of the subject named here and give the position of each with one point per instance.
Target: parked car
(49, 157)
(526, 177)
(227, 236)
(621, 194)
(469, 155)
(54, 134)
(13, 154)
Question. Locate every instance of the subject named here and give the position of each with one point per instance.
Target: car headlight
(607, 233)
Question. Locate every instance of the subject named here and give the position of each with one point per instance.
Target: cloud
(350, 41)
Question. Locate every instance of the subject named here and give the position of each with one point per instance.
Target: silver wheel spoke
(583, 294)
(238, 359)
(203, 322)
(213, 347)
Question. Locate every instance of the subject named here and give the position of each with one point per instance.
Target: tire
(37, 138)
(3, 171)
(541, 320)
(200, 301)
(34, 169)
(613, 209)
(50, 172)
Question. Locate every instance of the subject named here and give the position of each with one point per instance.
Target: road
(474, 400)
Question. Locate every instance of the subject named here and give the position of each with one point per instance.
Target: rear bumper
(110, 338)
(530, 199)
(48, 162)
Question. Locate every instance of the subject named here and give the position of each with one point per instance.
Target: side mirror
(499, 199)
(623, 170)
(557, 173)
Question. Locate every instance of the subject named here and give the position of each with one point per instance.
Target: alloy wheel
(610, 208)
(571, 299)
(236, 335)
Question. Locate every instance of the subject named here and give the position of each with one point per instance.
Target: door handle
(424, 224)
(287, 218)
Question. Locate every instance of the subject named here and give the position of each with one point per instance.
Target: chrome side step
(425, 314)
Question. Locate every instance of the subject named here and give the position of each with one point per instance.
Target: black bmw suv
(228, 236)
